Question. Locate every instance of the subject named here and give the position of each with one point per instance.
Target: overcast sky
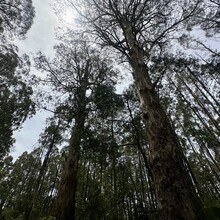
(40, 37)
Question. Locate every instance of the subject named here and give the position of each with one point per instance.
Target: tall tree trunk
(66, 195)
(65, 207)
(175, 193)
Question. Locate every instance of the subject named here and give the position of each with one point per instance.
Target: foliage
(16, 17)
(15, 95)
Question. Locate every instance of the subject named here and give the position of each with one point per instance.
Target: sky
(39, 38)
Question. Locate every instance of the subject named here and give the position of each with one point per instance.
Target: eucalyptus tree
(196, 113)
(15, 95)
(136, 134)
(196, 97)
(24, 194)
(192, 101)
(16, 18)
(98, 176)
(112, 174)
(6, 166)
(30, 183)
(49, 142)
(210, 20)
(20, 181)
(139, 30)
(74, 75)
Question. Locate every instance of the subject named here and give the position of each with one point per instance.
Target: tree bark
(175, 193)
(66, 196)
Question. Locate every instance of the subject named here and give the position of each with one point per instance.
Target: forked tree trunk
(175, 192)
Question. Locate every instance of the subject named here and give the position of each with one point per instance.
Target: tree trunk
(144, 156)
(65, 207)
(175, 193)
(66, 195)
(40, 179)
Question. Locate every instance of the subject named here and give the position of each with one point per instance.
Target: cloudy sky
(40, 37)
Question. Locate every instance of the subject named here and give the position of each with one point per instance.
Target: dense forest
(151, 151)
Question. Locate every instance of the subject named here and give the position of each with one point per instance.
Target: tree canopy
(16, 17)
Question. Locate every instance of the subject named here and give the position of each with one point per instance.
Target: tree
(75, 73)
(139, 30)
(210, 21)
(6, 167)
(16, 17)
(15, 95)
(49, 140)
(112, 173)
(193, 106)
(22, 188)
(20, 181)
